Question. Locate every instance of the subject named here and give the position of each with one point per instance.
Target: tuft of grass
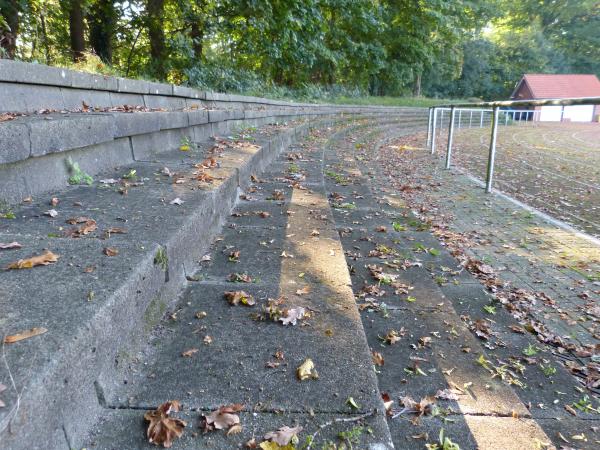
(161, 259)
(78, 176)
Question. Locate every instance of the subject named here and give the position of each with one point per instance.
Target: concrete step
(293, 249)
(436, 326)
(97, 308)
(35, 149)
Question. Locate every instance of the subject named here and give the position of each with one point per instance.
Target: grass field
(554, 167)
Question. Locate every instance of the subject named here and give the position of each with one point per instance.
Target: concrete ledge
(60, 133)
(131, 124)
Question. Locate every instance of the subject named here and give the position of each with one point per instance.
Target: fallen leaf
(11, 339)
(207, 340)
(51, 213)
(264, 214)
(315, 233)
(447, 394)
(176, 201)
(236, 297)
(41, 260)
(304, 290)
(352, 403)
(189, 353)
(381, 229)
(240, 278)
(163, 429)
(377, 358)
(284, 435)
(76, 220)
(10, 245)
(88, 226)
(222, 418)
(306, 371)
(235, 429)
(110, 251)
(290, 316)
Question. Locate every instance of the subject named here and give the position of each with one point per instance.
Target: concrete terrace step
(34, 148)
(231, 369)
(437, 325)
(95, 307)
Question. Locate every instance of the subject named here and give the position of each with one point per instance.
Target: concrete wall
(82, 116)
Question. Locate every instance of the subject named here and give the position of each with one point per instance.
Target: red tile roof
(560, 86)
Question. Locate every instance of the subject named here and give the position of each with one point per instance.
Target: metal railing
(489, 115)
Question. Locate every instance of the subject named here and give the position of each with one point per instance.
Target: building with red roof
(548, 86)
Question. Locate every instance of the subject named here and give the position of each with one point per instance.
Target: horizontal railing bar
(544, 102)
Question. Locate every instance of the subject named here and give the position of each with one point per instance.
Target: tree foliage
(456, 48)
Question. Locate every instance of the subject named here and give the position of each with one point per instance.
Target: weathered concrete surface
(98, 317)
(282, 253)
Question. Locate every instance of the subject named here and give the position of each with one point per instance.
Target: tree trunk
(197, 35)
(156, 34)
(102, 20)
(76, 29)
(417, 86)
(8, 34)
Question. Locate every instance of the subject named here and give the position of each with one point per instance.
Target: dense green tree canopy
(456, 48)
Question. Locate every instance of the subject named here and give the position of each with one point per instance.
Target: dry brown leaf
(11, 339)
(163, 429)
(235, 429)
(189, 353)
(223, 418)
(264, 214)
(381, 229)
(110, 251)
(304, 290)
(9, 246)
(284, 435)
(306, 371)
(207, 340)
(277, 195)
(392, 337)
(236, 297)
(88, 226)
(377, 358)
(76, 220)
(41, 260)
(54, 201)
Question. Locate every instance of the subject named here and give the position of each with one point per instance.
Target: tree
(9, 26)
(102, 20)
(74, 9)
(156, 36)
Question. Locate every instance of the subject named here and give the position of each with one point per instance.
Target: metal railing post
(429, 127)
(471, 119)
(481, 122)
(433, 130)
(451, 135)
(459, 118)
(492, 154)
